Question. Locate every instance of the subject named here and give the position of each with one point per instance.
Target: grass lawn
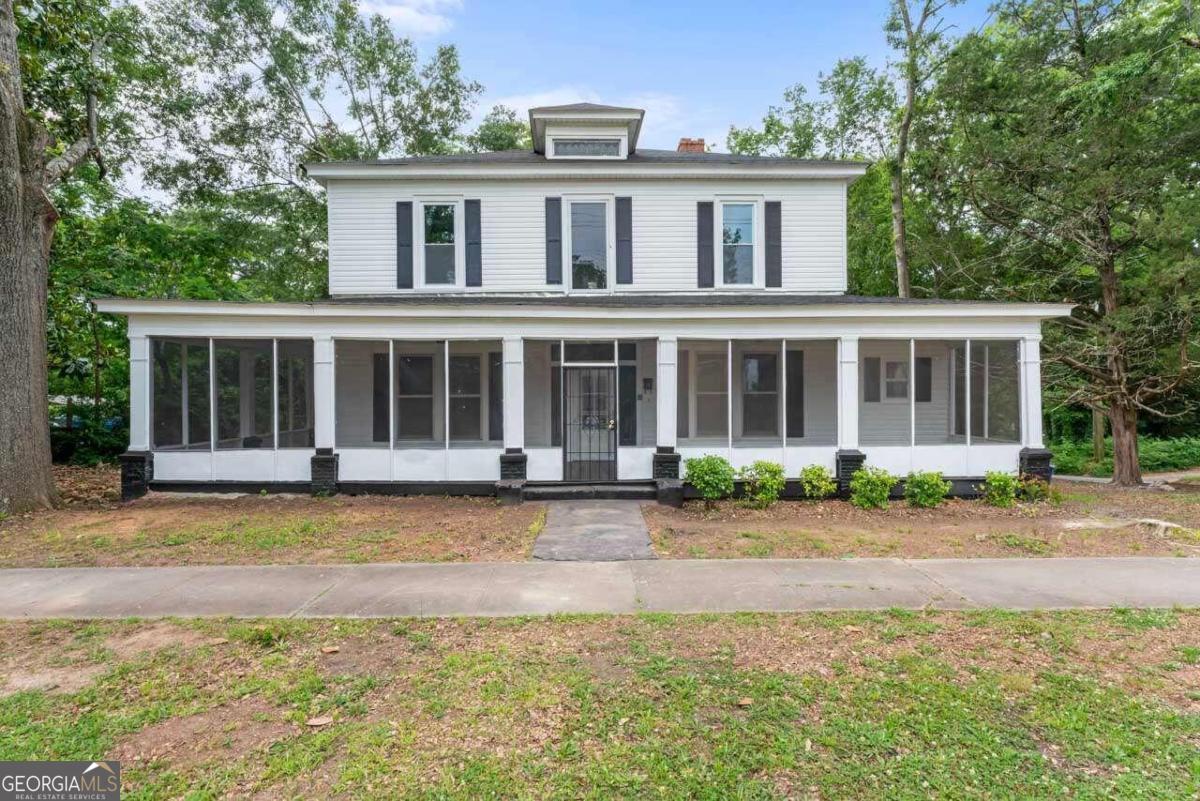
(1088, 520)
(94, 529)
(815, 706)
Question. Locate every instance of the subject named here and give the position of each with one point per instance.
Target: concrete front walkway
(593, 531)
(535, 588)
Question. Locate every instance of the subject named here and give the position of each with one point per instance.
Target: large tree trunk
(1097, 434)
(900, 233)
(1127, 472)
(26, 222)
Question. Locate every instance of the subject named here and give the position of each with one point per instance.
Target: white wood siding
(362, 230)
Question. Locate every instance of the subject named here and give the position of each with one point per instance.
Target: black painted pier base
(666, 462)
(846, 464)
(1035, 462)
(513, 465)
(137, 471)
(324, 472)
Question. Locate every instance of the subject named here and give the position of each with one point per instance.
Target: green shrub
(764, 483)
(870, 487)
(1000, 488)
(711, 475)
(925, 489)
(1154, 454)
(1034, 489)
(817, 482)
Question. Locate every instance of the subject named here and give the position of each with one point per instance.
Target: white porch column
(139, 393)
(514, 393)
(847, 389)
(666, 385)
(1031, 392)
(323, 391)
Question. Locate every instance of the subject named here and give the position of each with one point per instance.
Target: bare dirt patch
(958, 528)
(67, 679)
(153, 637)
(228, 731)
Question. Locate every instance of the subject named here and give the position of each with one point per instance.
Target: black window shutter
(871, 379)
(795, 393)
(704, 244)
(553, 240)
(774, 224)
(624, 240)
(474, 243)
(379, 397)
(495, 396)
(404, 245)
(924, 388)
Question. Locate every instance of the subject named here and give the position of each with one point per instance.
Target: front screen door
(590, 424)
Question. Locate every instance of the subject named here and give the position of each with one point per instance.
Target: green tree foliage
(273, 85)
(1075, 130)
(501, 129)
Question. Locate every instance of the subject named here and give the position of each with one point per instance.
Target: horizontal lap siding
(362, 237)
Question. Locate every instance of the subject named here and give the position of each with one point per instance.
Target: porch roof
(630, 304)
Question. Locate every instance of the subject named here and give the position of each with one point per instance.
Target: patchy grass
(1085, 521)
(166, 529)
(829, 706)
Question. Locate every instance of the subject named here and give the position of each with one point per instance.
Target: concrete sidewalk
(533, 588)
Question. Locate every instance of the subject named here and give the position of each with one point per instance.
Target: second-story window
(737, 243)
(439, 243)
(589, 245)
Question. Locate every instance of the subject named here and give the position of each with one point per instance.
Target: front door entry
(590, 424)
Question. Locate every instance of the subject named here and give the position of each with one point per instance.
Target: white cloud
(668, 117)
(418, 18)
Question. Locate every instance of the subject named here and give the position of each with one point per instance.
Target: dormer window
(567, 147)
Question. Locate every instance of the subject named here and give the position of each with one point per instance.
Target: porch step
(625, 490)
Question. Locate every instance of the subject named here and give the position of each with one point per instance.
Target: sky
(696, 67)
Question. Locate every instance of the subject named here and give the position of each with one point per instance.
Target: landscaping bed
(94, 529)
(810, 706)
(1084, 520)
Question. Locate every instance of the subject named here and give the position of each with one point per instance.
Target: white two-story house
(586, 312)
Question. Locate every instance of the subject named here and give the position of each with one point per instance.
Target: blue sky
(696, 67)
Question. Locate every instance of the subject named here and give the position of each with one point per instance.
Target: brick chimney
(690, 146)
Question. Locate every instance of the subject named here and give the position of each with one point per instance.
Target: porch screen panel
(361, 393)
(757, 391)
(496, 396)
(179, 394)
(885, 391)
(244, 404)
(541, 381)
(294, 373)
(419, 394)
(710, 394)
(812, 402)
(995, 393)
(938, 391)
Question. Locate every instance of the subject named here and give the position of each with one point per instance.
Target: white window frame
(621, 139)
(884, 397)
(610, 246)
(759, 258)
(460, 253)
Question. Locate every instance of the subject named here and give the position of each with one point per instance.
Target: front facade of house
(586, 312)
